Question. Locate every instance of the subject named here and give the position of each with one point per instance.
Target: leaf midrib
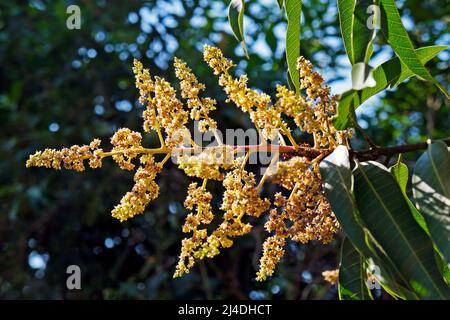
(400, 231)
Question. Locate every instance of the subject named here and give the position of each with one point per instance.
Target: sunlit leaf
(401, 173)
(398, 38)
(236, 20)
(357, 34)
(388, 74)
(431, 190)
(362, 76)
(293, 13)
(387, 216)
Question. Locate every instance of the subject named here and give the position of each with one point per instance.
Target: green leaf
(352, 274)
(447, 273)
(236, 20)
(357, 37)
(387, 216)
(431, 192)
(289, 81)
(401, 173)
(346, 110)
(361, 35)
(398, 38)
(346, 20)
(293, 13)
(388, 74)
(337, 183)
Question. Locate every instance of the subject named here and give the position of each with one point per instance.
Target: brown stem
(373, 154)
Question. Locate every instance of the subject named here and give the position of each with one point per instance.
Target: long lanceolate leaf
(397, 37)
(352, 274)
(236, 20)
(338, 185)
(431, 190)
(357, 35)
(386, 75)
(387, 216)
(293, 13)
(346, 19)
(337, 182)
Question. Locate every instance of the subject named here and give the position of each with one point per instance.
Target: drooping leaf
(398, 38)
(357, 35)
(361, 34)
(386, 75)
(431, 191)
(387, 216)
(352, 274)
(346, 21)
(337, 182)
(293, 13)
(236, 20)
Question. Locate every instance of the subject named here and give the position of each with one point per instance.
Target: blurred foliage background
(60, 87)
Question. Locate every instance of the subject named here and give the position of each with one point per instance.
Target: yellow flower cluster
(240, 198)
(257, 104)
(71, 158)
(190, 89)
(208, 163)
(273, 247)
(144, 190)
(201, 199)
(307, 212)
(303, 216)
(127, 145)
(163, 107)
(290, 172)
